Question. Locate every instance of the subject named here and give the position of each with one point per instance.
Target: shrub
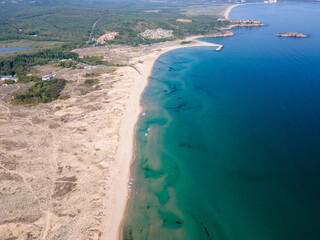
(44, 91)
(91, 82)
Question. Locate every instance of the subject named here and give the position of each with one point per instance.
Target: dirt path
(93, 27)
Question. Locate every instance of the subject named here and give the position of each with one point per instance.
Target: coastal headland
(236, 22)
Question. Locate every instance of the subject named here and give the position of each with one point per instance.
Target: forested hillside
(73, 23)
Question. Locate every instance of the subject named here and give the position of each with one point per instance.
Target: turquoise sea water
(228, 146)
(14, 49)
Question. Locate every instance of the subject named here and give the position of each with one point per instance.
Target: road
(93, 27)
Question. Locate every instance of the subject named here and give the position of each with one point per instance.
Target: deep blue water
(14, 49)
(228, 146)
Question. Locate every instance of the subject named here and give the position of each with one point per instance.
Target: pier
(219, 48)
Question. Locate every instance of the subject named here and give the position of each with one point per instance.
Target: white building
(9, 77)
(87, 67)
(49, 76)
(157, 33)
(270, 1)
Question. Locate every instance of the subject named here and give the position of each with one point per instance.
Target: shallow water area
(228, 147)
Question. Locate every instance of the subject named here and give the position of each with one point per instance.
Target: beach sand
(227, 12)
(65, 165)
(115, 204)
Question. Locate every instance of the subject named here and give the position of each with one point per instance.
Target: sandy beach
(227, 12)
(115, 205)
(65, 165)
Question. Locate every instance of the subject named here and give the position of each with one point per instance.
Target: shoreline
(116, 204)
(227, 12)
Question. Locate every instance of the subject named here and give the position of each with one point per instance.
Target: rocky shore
(242, 25)
(224, 33)
(291, 34)
(221, 33)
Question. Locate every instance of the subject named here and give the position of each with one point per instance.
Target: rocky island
(291, 34)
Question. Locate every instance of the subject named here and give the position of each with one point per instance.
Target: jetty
(219, 48)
